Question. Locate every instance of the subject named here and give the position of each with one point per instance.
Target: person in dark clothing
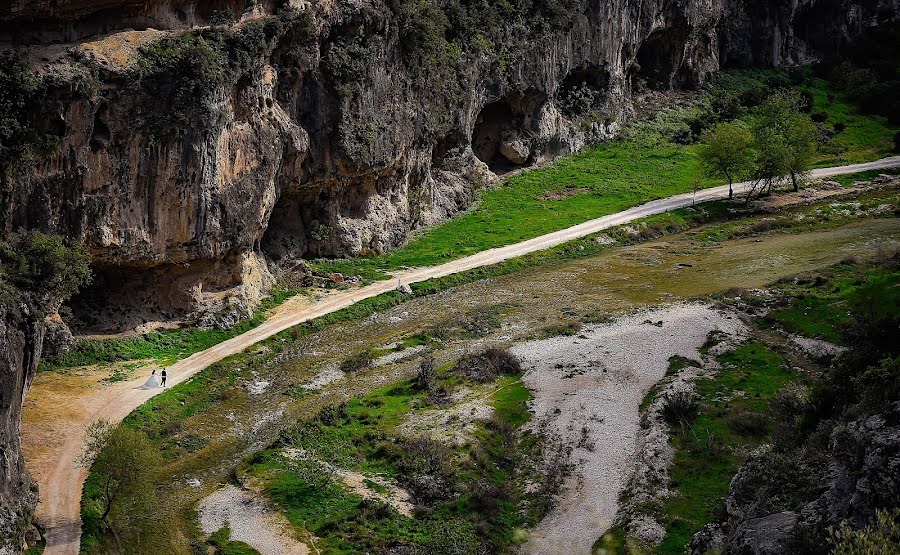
(163, 376)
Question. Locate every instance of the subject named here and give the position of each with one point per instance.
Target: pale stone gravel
(455, 424)
(250, 520)
(397, 356)
(817, 348)
(605, 373)
(326, 376)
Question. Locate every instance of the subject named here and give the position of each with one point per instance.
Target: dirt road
(60, 479)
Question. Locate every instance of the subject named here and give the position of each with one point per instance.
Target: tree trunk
(794, 180)
(730, 191)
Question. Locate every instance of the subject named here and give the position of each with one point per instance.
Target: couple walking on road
(155, 380)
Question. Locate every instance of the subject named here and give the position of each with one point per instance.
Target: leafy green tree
(126, 463)
(726, 152)
(881, 538)
(782, 129)
(41, 270)
(771, 163)
(19, 90)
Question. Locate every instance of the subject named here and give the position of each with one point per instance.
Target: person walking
(163, 376)
(152, 382)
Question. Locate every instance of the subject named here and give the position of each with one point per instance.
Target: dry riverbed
(589, 387)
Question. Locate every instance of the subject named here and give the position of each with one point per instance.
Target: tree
(41, 270)
(771, 160)
(726, 152)
(125, 463)
(781, 124)
(20, 89)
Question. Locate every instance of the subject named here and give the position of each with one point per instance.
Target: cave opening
(503, 134)
(494, 122)
(100, 134)
(659, 58)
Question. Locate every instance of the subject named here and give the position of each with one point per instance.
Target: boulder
(768, 535)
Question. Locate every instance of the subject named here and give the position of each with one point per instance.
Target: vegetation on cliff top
(20, 92)
(40, 271)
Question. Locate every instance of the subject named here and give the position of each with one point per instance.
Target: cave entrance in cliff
(493, 123)
(503, 136)
(659, 58)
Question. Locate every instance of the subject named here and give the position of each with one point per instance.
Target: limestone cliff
(21, 337)
(186, 158)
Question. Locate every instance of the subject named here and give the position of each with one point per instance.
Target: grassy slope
(867, 136)
(343, 521)
(820, 306)
(700, 476)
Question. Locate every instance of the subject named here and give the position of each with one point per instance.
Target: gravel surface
(250, 521)
(589, 387)
(817, 348)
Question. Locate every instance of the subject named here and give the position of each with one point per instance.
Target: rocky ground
(250, 520)
(589, 387)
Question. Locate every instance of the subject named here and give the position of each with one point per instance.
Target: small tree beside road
(125, 464)
(785, 138)
(726, 152)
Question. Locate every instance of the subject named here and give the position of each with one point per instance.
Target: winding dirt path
(60, 479)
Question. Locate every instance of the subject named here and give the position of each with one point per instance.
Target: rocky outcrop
(21, 337)
(334, 128)
(846, 486)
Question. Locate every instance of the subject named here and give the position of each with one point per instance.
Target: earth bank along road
(60, 488)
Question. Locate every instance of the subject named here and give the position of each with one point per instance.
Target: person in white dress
(151, 383)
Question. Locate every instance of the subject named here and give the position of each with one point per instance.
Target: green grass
(849, 179)
(867, 136)
(699, 476)
(819, 307)
(363, 439)
(510, 401)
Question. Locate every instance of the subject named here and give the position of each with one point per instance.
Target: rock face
(20, 349)
(328, 128)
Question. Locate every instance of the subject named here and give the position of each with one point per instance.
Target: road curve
(59, 511)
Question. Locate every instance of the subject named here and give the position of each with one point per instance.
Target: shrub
(20, 90)
(330, 415)
(488, 364)
(680, 407)
(880, 538)
(567, 329)
(355, 363)
(425, 374)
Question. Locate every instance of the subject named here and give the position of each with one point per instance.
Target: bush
(41, 270)
(360, 361)
(425, 374)
(489, 364)
(880, 538)
(331, 415)
(20, 91)
(680, 407)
